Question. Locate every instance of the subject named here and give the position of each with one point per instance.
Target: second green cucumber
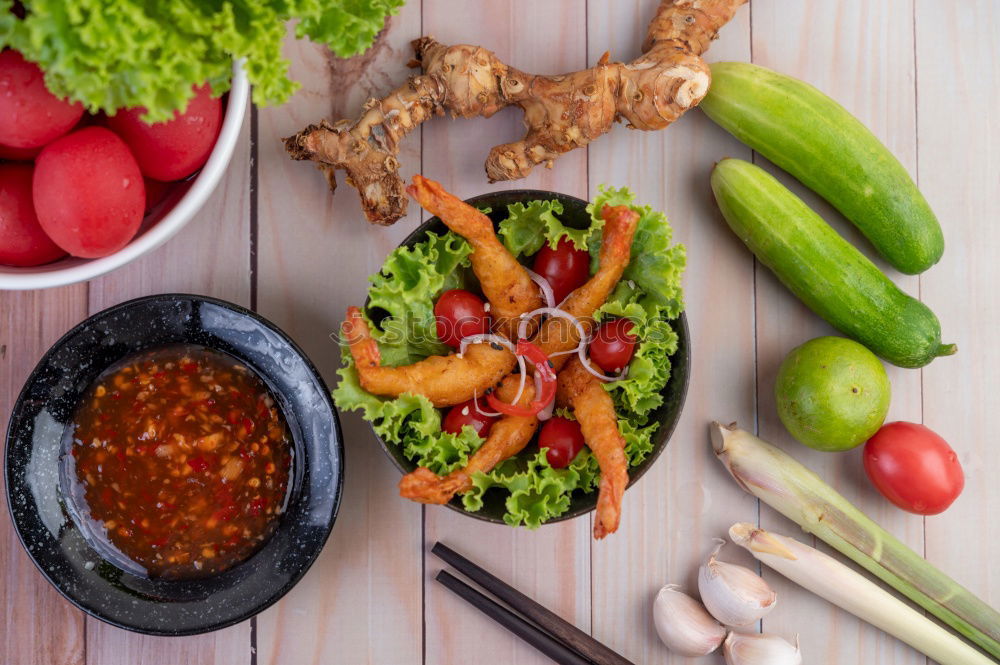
(825, 271)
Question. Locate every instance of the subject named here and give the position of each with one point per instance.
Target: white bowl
(163, 222)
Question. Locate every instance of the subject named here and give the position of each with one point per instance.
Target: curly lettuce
(151, 53)
(403, 295)
(656, 265)
(528, 227)
(404, 292)
(401, 303)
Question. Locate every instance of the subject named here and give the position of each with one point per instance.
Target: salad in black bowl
(528, 363)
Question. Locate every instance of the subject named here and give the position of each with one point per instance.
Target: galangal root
(561, 112)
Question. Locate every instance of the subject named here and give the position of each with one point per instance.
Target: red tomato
(565, 267)
(176, 148)
(563, 439)
(88, 192)
(466, 414)
(30, 115)
(914, 468)
(22, 240)
(460, 313)
(613, 345)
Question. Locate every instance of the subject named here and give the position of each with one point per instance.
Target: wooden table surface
(924, 75)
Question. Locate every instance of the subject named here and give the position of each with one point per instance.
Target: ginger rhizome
(560, 112)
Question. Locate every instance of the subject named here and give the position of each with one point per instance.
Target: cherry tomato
(563, 439)
(613, 345)
(88, 192)
(30, 115)
(914, 468)
(22, 240)
(176, 148)
(466, 414)
(460, 313)
(565, 267)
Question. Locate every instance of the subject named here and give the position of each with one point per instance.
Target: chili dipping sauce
(179, 460)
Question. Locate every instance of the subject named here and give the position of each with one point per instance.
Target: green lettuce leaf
(656, 265)
(410, 420)
(648, 373)
(537, 492)
(151, 53)
(529, 227)
(404, 291)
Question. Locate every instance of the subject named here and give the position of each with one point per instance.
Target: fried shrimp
(595, 412)
(444, 380)
(506, 438)
(505, 282)
(557, 334)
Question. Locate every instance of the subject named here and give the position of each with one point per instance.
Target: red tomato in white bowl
(176, 148)
(88, 192)
(914, 468)
(30, 115)
(22, 240)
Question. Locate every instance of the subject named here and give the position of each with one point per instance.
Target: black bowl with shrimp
(534, 485)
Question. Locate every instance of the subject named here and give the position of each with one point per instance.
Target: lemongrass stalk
(800, 495)
(829, 579)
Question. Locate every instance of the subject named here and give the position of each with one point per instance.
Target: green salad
(405, 289)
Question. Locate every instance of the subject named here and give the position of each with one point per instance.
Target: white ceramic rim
(79, 270)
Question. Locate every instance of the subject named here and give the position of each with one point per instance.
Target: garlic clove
(757, 649)
(735, 595)
(684, 625)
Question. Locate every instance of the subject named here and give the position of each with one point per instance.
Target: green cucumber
(825, 271)
(827, 149)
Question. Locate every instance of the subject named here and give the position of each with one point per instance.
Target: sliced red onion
(475, 403)
(507, 344)
(543, 284)
(524, 374)
(522, 327)
(585, 361)
(546, 412)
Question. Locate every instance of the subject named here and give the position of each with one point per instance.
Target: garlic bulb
(684, 625)
(743, 649)
(734, 595)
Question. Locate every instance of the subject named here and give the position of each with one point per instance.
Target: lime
(832, 393)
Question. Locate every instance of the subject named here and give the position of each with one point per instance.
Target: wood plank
(958, 78)
(861, 54)
(361, 602)
(39, 627)
(210, 256)
(685, 500)
(552, 565)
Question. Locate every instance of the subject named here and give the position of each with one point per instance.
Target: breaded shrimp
(508, 436)
(557, 334)
(444, 380)
(595, 412)
(505, 282)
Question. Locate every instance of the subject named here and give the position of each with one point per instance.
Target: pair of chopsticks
(558, 639)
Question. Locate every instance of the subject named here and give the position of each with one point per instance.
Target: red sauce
(184, 458)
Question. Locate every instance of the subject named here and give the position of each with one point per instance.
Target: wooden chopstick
(563, 631)
(515, 624)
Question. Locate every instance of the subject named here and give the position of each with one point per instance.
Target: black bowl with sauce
(674, 393)
(44, 514)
